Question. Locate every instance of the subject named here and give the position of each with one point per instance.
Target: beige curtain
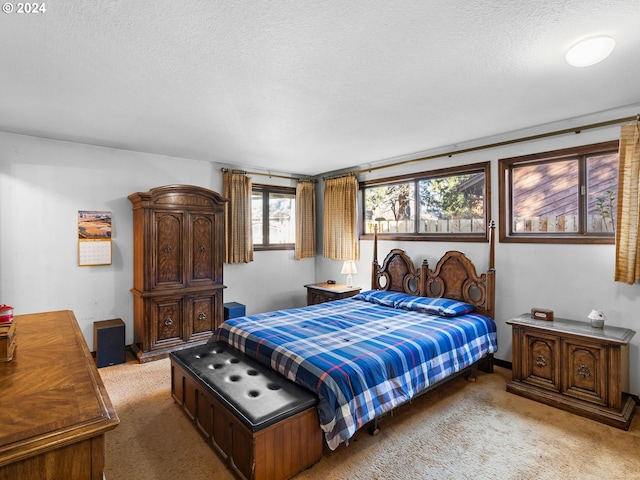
(340, 233)
(236, 186)
(628, 208)
(305, 220)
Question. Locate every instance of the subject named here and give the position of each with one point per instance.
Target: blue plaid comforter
(361, 359)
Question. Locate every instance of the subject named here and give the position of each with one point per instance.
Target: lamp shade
(349, 268)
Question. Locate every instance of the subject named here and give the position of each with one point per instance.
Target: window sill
(568, 239)
(407, 237)
(261, 248)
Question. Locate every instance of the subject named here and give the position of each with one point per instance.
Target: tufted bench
(262, 425)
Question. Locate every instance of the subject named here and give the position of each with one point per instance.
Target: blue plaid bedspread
(360, 358)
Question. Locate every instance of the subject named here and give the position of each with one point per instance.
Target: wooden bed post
(424, 276)
(374, 264)
(491, 273)
(492, 227)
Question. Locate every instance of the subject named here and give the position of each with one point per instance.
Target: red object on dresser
(6, 313)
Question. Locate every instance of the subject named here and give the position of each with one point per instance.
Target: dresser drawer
(8, 341)
(7, 347)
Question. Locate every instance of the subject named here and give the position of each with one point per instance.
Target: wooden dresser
(570, 365)
(325, 292)
(178, 252)
(54, 409)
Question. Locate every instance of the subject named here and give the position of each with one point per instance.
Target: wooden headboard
(396, 274)
(454, 277)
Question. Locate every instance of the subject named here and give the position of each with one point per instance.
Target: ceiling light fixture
(590, 51)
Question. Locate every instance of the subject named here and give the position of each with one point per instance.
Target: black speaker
(108, 340)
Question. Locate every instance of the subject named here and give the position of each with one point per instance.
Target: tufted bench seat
(262, 425)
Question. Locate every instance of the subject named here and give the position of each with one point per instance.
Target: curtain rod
(288, 177)
(453, 152)
(341, 175)
(503, 143)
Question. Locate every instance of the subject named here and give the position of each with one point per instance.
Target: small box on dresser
(570, 365)
(8, 341)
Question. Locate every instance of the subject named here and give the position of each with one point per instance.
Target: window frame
(481, 167)
(265, 190)
(505, 192)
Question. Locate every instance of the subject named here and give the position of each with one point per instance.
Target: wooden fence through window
(542, 224)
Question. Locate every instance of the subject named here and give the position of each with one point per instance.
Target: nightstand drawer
(541, 360)
(326, 292)
(586, 372)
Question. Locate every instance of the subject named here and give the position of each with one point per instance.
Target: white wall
(43, 184)
(569, 279)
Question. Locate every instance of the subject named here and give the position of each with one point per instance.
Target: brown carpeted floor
(463, 430)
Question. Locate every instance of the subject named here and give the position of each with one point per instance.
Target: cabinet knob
(168, 322)
(202, 316)
(168, 249)
(583, 371)
(202, 248)
(541, 361)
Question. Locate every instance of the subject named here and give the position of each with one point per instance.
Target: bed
(364, 356)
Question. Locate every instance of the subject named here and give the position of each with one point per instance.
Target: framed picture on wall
(94, 238)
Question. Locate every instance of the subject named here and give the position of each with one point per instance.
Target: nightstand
(325, 292)
(570, 365)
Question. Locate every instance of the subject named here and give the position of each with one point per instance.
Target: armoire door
(204, 261)
(202, 315)
(167, 321)
(168, 254)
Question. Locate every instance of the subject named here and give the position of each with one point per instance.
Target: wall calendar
(94, 238)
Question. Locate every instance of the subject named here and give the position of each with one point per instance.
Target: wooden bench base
(277, 451)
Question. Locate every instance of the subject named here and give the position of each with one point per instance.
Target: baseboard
(502, 363)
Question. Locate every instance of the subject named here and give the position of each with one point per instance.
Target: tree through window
(449, 203)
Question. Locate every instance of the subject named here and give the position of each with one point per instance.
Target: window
(273, 212)
(564, 196)
(442, 204)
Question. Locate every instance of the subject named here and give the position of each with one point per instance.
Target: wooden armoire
(178, 252)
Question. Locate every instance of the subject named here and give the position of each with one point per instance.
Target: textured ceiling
(307, 86)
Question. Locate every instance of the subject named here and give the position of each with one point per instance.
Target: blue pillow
(435, 306)
(381, 297)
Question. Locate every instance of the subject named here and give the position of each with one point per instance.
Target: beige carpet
(462, 430)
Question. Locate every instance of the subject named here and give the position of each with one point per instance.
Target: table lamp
(348, 269)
